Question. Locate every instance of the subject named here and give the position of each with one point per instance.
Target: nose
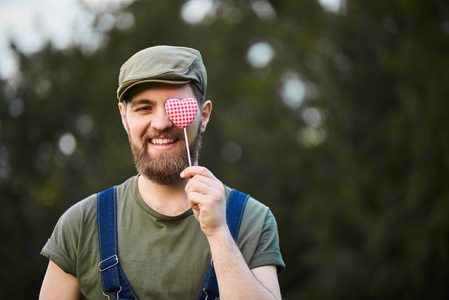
(161, 121)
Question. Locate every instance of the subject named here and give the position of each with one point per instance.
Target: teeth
(162, 141)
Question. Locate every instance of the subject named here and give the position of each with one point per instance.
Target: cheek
(136, 128)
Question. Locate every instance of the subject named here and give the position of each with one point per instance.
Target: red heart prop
(181, 112)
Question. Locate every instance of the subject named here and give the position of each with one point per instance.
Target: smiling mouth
(163, 142)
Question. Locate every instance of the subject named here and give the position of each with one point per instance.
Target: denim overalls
(113, 278)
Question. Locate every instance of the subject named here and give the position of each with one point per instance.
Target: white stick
(187, 146)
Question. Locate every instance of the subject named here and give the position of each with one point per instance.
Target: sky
(31, 23)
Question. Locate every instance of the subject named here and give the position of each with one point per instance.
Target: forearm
(235, 279)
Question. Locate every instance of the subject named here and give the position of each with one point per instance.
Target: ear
(207, 110)
(122, 109)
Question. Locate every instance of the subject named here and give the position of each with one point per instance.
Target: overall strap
(113, 278)
(234, 212)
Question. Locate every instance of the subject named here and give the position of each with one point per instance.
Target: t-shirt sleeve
(267, 251)
(54, 253)
(63, 246)
(258, 239)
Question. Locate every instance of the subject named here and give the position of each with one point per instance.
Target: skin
(199, 190)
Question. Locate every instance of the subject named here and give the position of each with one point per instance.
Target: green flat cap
(166, 64)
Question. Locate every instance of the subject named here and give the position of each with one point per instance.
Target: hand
(206, 196)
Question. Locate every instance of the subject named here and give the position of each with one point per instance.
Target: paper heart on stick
(181, 112)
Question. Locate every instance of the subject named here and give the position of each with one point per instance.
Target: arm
(59, 285)
(235, 280)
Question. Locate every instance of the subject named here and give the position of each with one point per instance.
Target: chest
(163, 260)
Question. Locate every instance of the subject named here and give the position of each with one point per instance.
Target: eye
(145, 109)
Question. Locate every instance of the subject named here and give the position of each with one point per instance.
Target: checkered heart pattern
(181, 112)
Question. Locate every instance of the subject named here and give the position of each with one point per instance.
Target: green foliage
(360, 197)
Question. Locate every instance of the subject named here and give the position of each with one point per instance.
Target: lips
(163, 141)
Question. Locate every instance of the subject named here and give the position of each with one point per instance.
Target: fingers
(206, 195)
(201, 200)
(203, 191)
(197, 170)
(202, 181)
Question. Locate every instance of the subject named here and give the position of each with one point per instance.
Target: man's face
(157, 144)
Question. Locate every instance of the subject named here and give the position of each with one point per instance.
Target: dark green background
(362, 215)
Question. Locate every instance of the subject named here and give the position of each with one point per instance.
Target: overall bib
(113, 277)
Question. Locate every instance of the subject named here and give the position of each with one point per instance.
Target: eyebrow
(142, 101)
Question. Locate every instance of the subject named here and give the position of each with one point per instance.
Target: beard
(165, 168)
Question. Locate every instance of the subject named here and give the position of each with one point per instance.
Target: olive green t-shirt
(163, 257)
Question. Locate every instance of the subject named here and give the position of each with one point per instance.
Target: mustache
(165, 134)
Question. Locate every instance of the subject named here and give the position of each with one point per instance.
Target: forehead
(160, 91)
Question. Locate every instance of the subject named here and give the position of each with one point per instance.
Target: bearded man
(173, 231)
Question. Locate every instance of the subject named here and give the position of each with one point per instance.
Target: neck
(170, 200)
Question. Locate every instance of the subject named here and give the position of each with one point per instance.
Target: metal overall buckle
(118, 297)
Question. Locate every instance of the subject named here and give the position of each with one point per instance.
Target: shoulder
(79, 214)
(255, 211)
(258, 236)
(79, 217)
(75, 231)
(86, 209)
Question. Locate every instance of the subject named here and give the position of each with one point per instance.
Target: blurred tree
(336, 120)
